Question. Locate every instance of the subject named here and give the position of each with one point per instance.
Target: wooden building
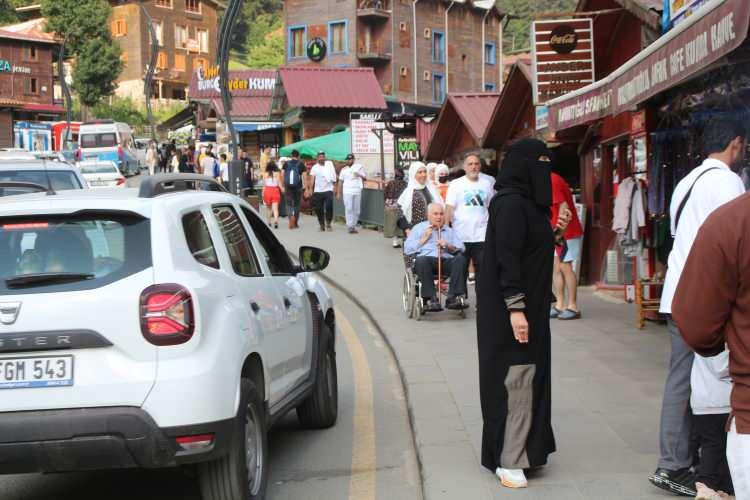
(420, 51)
(187, 33)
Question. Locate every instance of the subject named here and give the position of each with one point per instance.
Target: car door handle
(287, 302)
(255, 307)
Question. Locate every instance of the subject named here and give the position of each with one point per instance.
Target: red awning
(44, 108)
(353, 88)
(472, 111)
(245, 106)
(712, 32)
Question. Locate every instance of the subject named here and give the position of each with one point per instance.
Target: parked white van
(107, 140)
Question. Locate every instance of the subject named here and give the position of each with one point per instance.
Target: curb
(381, 332)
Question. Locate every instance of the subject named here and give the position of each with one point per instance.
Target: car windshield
(98, 168)
(59, 180)
(60, 253)
(99, 140)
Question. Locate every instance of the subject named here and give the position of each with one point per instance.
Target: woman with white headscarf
(419, 193)
(442, 173)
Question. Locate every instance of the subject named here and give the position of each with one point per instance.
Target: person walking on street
(392, 191)
(182, 162)
(466, 210)
(514, 341)
(272, 189)
(191, 158)
(695, 197)
(221, 171)
(152, 158)
(322, 189)
(710, 308)
(293, 187)
(351, 185)
(247, 170)
(565, 281)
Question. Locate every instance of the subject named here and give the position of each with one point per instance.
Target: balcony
(374, 10)
(374, 51)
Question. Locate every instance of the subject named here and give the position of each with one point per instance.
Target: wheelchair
(411, 295)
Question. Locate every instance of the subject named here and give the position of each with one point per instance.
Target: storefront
(641, 126)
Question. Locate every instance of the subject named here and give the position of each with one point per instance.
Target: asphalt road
(368, 455)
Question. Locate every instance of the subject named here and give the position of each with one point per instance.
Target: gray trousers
(676, 416)
(352, 206)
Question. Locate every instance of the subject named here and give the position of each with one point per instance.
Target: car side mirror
(312, 259)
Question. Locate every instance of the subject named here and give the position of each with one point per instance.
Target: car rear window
(99, 140)
(99, 168)
(59, 180)
(199, 239)
(105, 246)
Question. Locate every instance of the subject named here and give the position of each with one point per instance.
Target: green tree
(96, 70)
(247, 23)
(7, 13)
(120, 110)
(80, 20)
(269, 54)
(516, 34)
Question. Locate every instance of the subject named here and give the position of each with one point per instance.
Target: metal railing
(372, 211)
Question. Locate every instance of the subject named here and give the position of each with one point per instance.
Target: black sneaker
(454, 303)
(678, 482)
(322, 229)
(432, 305)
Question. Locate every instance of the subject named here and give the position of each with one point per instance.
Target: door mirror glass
(313, 259)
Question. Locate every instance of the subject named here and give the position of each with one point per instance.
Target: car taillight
(167, 314)
(78, 154)
(195, 443)
(120, 181)
(119, 152)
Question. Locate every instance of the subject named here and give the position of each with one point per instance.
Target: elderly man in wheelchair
(437, 247)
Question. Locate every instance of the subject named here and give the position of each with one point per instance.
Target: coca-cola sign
(563, 39)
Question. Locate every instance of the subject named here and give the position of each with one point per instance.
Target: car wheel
(320, 409)
(243, 473)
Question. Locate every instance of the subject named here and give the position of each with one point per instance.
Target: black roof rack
(26, 185)
(155, 185)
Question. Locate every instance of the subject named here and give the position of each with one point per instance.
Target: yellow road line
(364, 457)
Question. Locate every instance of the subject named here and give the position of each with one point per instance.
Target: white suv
(156, 327)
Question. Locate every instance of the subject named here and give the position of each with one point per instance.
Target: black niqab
(524, 173)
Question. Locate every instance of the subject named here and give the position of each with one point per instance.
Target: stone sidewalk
(607, 383)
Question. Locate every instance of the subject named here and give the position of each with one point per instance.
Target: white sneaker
(512, 478)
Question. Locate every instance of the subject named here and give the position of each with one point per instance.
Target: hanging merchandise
(630, 216)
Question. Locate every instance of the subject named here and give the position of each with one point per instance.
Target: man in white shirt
(322, 188)
(702, 191)
(351, 185)
(466, 202)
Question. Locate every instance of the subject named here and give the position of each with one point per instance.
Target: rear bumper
(99, 438)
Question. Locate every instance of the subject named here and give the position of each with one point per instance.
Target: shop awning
(256, 126)
(716, 29)
(336, 146)
(44, 108)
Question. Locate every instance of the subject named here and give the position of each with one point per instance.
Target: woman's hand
(520, 326)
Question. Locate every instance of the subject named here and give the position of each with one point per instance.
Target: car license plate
(42, 371)
(99, 183)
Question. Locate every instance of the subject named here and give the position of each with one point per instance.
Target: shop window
(31, 86)
(338, 37)
(30, 53)
(167, 4)
(179, 62)
(489, 53)
(438, 47)
(159, 28)
(438, 88)
(193, 6)
(179, 94)
(202, 36)
(119, 28)
(161, 61)
(297, 41)
(180, 36)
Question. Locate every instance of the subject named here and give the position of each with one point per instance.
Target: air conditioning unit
(426, 76)
(402, 26)
(427, 33)
(403, 71)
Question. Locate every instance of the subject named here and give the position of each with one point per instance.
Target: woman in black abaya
(513, 317)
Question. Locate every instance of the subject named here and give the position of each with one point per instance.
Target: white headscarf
(442, 169)
(406, 198)
(431, 170)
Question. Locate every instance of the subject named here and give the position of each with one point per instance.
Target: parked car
(25, 167)
(108, 140)
(101, 174)
(180, 332)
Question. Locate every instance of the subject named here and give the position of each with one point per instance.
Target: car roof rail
(155, 185)
(26, 185)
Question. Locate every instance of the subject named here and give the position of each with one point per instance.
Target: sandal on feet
(569, 314)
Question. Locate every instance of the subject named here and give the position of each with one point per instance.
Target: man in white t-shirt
(466, 209)
(322, 187)
(352, 178)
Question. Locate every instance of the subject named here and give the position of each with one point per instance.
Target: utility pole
(225, 40)
(148, 79)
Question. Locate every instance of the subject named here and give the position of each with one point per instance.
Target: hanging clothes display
(630, 216)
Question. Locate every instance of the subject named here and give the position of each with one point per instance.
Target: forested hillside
(259, 35)
(517, 33)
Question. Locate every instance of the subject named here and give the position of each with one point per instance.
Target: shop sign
(7, 67)
(408, 151)
(680, 10)
(208, 80)
(364, 140)
(542, 117)
(192, 45)
(669, 61)
(562, 57)
(316, 49)
(638, 122)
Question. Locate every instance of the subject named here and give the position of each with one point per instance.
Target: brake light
(167, 314)
(22, 226)
(120, 181)
(195, 443)
(119, 152)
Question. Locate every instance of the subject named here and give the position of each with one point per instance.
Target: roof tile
(355, 88)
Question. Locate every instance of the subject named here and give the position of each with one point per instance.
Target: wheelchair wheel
(407, 296)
